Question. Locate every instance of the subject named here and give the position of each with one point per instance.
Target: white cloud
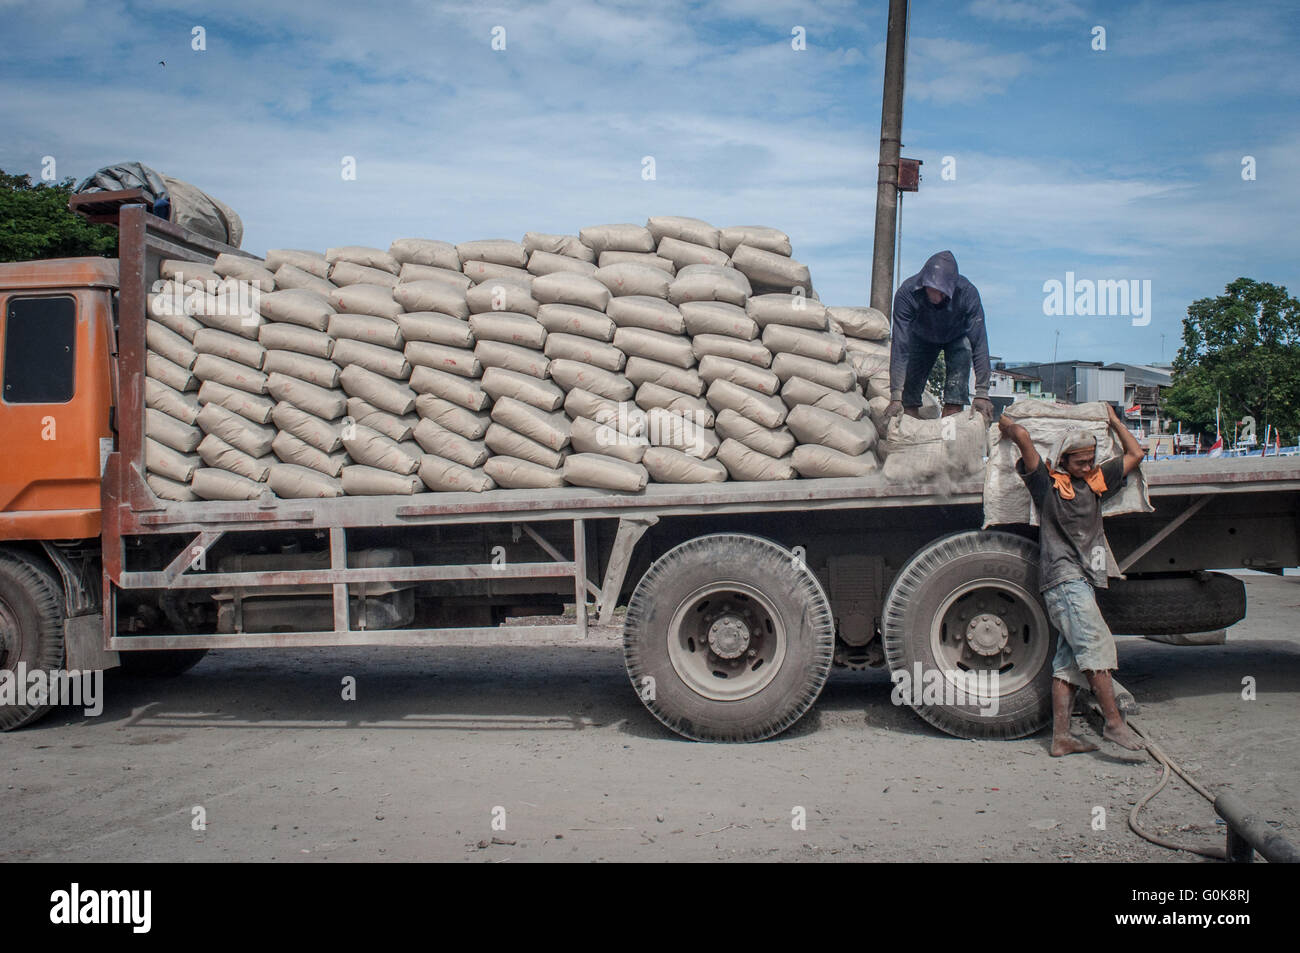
(1036, 12)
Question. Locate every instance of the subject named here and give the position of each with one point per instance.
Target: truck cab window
(39, 341)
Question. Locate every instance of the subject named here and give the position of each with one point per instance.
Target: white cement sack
(452, 416)
(432, 296)
(368, 329)
(835, 376)
(569, 246)
(457, 280)
(362, 299)
(292, 482)
(425, 251)
(588, 436)
(481, 272)
(622, 415)
(574, 347)
(252, 406)
(756, 236)
(709, 283)
(371, 481)
(168, 309)
(768, 268)
(682, 253)
(227, 312)
(681, 432)
(169, 373)
(374, 357)
(601, 238)
(850, 404)
(209, 367)
(865, 323)
(314, 263)
(450, 445)
(215, 452)
(791, 310)
(649, 259)
(549, 428)
(512, 357)
(714, 368)
(460, 361)
(818, 345)
(684, 229)
(344, 273)
(508, 328)
(215, 484)
(502, 296)
(370, 448)
(242, 268)
(566, 288)
(687, 380)
(745, 463)
(515, 474)
(814, 462)
(604, 472)
(775, 442)
(732, 348)
(326, 403)
(362, 255)
(718, 318)
(163, 340)
(383, 392)
(169, 489)
(504, 441)
(192, 273)
(630, 279)
(170, 401)
(390, 425)
(544, 263)
(296, 451)
(499, 382)
(498, 251)
(650, 396)
(313, 370)
(434, 328)
(448, 476)
(666, 465)
(828, 429)
(760, 408)
(921, 451)
(236, 430)
(171, 432)
(292, 337)
(656, 346)
(230, 346)
(288, 277)
(465, 391)
(164, 461)
(570, 374)
(643, 311)
(300, 307)
(569, 319)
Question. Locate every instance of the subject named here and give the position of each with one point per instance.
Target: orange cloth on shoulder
(1065, 486)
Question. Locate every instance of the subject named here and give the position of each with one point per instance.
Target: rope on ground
(1168, 765)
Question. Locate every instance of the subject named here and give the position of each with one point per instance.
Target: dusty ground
(438, 739)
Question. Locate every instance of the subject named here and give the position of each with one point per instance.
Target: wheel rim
(990, 626)
(9, 641)
(726, 641)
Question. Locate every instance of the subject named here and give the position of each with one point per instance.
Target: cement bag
(449, 445)
(170, 401)
(502, 296)
(163, 340)
(238, 431)
(681, 432)
(209, 367)
(684, 229)
(362, 255)
(570, 319)
(835, 376)
(604, 472)
(549, 428)
(288, 277)
(243, 268)
(373, 357)
(292, 482)
(425, 251)
(718, 318)
(709, 283)
(457, 279)
(756, 236)
(344, 273)
(168, 489)
(775, 442)
(666, 465)
(629, 279)
(571, 374)
(171, 432)
(326, 436)
(447, 475)
(253, 406)
(164, 461)
(457, 419)
(1006, 500)
(514, 474)
(643, 311)
(195, 274)
(869, 358)
(363, 299)
(640, 370)
(432, 296)
(313, 370)
(682, 254)
(498, 251)
(487, 272)
(563, 288)
(296, 306)
(649, 259)
(918, 451)
(601, 238)
(656, 346)
(848, 404)
(167, 307)
(371, 448)
(215, 452)
(314, 263)
(819, 345)
(371, 481)
(390, 425)
(745, 463)
(828, 429)
(714, 368)
(508, 328)
(226, 312)
(384, 393)
(621, 415)
(214, 484)
(650, 395)
(796, 311)
(814, 462)
(232, 347)
(291, 337)
(574, 347)
(760, 408)
(467, 392)
(866, 323)
(295, 450)
(511, 357)
(322, 402)
(733, 348)
(878, 406)
(570, 246)
(768, 268)
(169, 373)
(545, 263)
(367, 329)
(590, 437)
(434, 328)
(506, 442)
(499, 382)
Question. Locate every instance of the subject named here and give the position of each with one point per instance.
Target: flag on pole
(1216, 449)
(1134, 411)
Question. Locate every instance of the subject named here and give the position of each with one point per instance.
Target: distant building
(1144, 385)
(1077, 382)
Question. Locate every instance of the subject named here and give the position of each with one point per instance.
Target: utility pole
(891, 130)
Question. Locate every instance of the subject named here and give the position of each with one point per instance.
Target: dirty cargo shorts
(1085, 643)
(957, 365)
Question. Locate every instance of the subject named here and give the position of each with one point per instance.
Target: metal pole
(891, 128)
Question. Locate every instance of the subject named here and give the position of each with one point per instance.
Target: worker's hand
(1007, 425)
(984, 406)
(1114, 417)
(894, 409)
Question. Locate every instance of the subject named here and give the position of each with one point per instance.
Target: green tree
(35, 223)
(1245, 346)
(938, 375)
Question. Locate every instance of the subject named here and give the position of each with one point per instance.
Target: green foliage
(1245, 345)
(938, 374)
(35, 223)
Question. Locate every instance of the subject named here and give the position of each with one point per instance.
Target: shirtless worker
(1068, 491)
(938, 310)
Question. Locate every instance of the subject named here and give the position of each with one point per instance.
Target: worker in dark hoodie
(938, 310)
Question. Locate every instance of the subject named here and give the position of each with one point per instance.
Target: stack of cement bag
(1006, 500)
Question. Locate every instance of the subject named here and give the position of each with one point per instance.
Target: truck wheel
(161, 663)
(728, 638)
(1173, 605)
(963, 618)
(31, 629)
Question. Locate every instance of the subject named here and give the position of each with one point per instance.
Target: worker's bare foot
(1070, 745)
(950, 409)
(1124, 736)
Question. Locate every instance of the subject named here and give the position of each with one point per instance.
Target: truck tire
(1173, 605)
(964, 618)
(31, 628)
(728, 638)
(166, 663)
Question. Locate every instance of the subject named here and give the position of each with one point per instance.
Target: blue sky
(1115, 164)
